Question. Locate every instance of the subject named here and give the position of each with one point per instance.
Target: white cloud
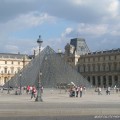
(12, 48)
(24, 21)
(96, 19)
(34, 19)
(93, 29)
(114, 7)
(67, 32)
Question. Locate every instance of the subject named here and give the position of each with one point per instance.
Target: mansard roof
(104, 52)
(13, 56)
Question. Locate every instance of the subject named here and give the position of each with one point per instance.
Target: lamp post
(39, 96)
(20, 84)
(8, 87)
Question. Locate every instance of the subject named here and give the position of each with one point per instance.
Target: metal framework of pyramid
(54, 69)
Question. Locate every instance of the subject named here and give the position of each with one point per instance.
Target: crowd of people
(75, 91)
(33, 91)
(107, 89)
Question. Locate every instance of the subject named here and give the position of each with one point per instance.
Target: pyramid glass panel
(55, 70)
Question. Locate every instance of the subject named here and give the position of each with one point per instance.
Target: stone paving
(58, 103)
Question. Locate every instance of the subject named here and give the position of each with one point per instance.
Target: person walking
(77, 91)
(33, 92)
(99, 91)
(108, 89)
(81, 90)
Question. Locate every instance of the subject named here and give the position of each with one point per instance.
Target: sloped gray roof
(14, 56)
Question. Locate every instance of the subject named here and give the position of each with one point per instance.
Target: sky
(58, 21)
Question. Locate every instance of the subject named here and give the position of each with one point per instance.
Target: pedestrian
(77, 91)
(33, 92)
(81, 89)
(108, 90)
(99, 91)
(84, 88)
(41, 89)
(28, 89)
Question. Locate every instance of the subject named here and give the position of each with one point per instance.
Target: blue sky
(58, 21)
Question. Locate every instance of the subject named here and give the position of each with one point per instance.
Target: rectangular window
(5, 70)
(12, 70)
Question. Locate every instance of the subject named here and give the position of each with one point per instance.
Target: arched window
(88, 78)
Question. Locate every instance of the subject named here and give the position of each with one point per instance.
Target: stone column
(101, 78)
(107, 81)
(91, 80)
(118, 79)
(113, 81)
(96, 81)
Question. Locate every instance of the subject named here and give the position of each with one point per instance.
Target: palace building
(100, 68)
(10, 64)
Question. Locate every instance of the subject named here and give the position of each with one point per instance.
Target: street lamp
(8, 86)
(39, 96)
(20, 84)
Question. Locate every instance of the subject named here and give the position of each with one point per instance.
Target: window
(88, 78)
(110, 80)
(93, 78)
(11, 62)
(103, 67)
(115, 66)
(99, 80)
(5, 79)
(93, 67)
(5, 70)
(18, 69)
(109, 66)
(12, 70)
(88, 68)
(5, 62)
(98, 67)
(104, 81)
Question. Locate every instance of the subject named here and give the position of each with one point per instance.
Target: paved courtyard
(58, 103)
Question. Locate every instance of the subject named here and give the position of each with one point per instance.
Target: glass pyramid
(55, 70)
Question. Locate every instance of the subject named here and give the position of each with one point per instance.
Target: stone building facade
(10, 64)
(74, 50)
(101, 68)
